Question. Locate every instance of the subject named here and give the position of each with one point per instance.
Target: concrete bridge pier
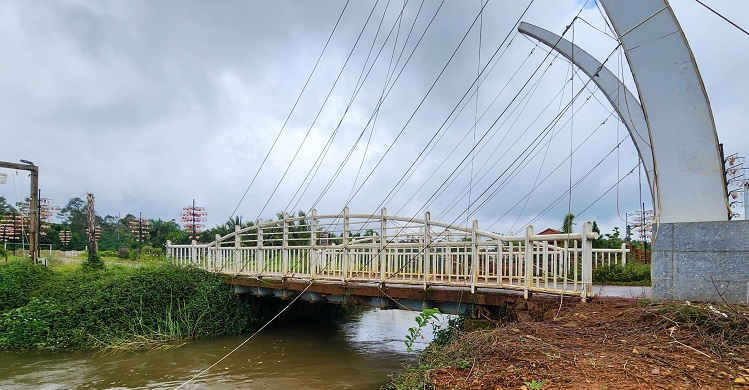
(702, 261)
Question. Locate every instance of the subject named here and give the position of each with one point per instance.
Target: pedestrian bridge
(397, 262)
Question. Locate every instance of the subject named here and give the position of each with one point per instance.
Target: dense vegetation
(117, 307)
(631, 274)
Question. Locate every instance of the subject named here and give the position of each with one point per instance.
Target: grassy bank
(118, 307)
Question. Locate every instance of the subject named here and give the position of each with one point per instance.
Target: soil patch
(604, 344)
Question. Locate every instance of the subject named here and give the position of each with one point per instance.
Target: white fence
(400, 250)
(609, 257)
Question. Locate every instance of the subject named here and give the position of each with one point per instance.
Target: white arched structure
(624, 102)
(672, 126)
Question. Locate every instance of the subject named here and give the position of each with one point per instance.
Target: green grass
(69, 306)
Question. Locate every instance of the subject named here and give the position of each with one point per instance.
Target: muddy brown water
(358, 352)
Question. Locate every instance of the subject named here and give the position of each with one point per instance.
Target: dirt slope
(604, 344)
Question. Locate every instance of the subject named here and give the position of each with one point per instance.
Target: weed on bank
(117, 307)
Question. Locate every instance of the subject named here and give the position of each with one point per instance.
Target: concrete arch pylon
(624, 102)
(687, 178)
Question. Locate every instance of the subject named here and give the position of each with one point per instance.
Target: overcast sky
(151, 104)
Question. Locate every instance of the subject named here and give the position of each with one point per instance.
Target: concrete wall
(702, 261)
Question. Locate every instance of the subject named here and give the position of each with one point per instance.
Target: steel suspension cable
(577, 95)
(549, 175)
(330, 183)
(439, 76)
(390, 71)
(447, 119)
(322, 106)
(314, 169)
(304, 88)
(577, 183)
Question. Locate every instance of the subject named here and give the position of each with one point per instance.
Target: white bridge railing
(400, 250)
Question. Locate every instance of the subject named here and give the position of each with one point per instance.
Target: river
(354, 353)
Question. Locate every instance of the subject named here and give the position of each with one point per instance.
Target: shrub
(147, 254)
(19, 282)
(123, 253)
(108, 254)
(151, 251)
(632, 273)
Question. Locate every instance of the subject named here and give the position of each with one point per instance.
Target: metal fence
(401, 250)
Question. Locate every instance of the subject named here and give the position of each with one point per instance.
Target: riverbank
(603, 344)
(122, 308)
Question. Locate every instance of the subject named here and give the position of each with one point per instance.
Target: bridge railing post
(170, 253)
(260, 252)
(427, 244)
(237, 255)
(219, 257)
(500, 263)
(474, 255)
(587, 259)
(623, 259)
(528, 277)
(382, 256)
(285, 246)
(345, 250)
(313, 245)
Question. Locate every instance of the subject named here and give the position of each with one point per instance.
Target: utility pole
(46, 211)
(139, 227)
(33, 204)
(193, 218)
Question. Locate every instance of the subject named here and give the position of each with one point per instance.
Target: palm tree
(568, 223)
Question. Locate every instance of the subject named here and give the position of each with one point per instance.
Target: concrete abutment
(702, 261)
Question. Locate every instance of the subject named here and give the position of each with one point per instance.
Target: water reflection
(358, 352)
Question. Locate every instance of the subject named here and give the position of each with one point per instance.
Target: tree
(5, 208)
(609, 240)
(568, 223)
(73, 215)
(161, 231)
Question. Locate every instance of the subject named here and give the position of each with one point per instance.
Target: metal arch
(624, 102)
(689, 167)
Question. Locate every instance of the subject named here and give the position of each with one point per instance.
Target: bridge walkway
(383, 259)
